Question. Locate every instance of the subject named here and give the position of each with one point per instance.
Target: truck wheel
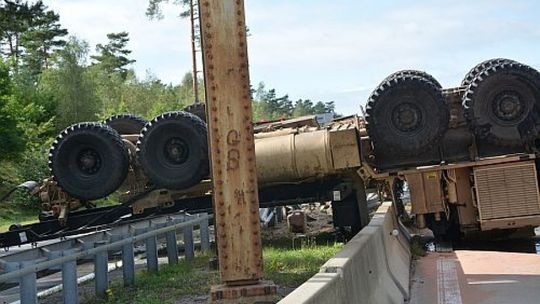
(421, 74)
(406, 116)
(481, 67)
(501, 104)
(197, 109)
(126, 123)
(173, 150)
(89, 160)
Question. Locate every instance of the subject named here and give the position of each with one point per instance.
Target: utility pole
(232, 153)
(192, 8)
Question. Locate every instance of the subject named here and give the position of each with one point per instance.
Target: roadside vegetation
(286, 266)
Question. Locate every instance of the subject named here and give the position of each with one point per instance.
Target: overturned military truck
(468, 155)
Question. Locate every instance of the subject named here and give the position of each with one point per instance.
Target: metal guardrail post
(101, 260)
(70, 290)
(28, 289)
(28, 285)
(151, 254)
(51, 255)
(205, 234)
(188, 243)
(128, 264)
(172, 247)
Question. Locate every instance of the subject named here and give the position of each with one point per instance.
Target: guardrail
(25, 272)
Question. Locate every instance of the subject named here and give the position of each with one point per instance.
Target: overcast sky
(328, 50)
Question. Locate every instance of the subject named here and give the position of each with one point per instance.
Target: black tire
(417, 101)
(173, 150)
(126, 123)
(422, 74)
(501, 104)
(197, 109)
(89, 160)
(481, 67)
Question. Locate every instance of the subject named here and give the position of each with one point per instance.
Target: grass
(10, 215)
(11, 212)
(163, 287)
(290, 267)
(286, 266)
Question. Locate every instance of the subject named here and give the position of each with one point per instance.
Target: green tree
(71, 85)
(319, 108)
(271, 107)
(109, 89)
(113, 56)
(28, 29)
(302, 108)
(15, 19)
(11, 141)
(41, 40)
(154, 11)
(330, 107)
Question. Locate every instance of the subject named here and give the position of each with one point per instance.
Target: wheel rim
(407, 117)
(176, 151)
(89, 161)
(509, 107)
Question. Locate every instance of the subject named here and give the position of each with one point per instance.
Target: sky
(335, 50)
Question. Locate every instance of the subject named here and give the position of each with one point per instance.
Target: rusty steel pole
(194, 53)
(232, 147)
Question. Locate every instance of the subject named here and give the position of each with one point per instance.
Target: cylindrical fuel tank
(293, 157)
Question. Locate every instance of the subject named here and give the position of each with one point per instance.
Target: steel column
(232, 147)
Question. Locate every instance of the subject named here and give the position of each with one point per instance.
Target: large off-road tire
(421, 74)
(406, 116)
(481, 67)
(502, 104)
(126, 123)
(89, 160)
(173, 150)
(198, 109)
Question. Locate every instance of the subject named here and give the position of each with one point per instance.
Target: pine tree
(29, 32)
(303, 108)
(112, 57)
(154, 11)
(41, 40)
(15, 19)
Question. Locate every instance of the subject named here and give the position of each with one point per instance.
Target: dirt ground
(319, 220)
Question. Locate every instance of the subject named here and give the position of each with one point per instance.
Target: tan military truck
(468, 155)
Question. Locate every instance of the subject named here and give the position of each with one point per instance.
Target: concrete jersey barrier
(372, 268)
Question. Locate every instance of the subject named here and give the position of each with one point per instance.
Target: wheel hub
(89, 161)
(407, 117)
(509, 106)
(176, 150)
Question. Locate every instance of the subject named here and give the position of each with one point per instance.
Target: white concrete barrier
(372, 268)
